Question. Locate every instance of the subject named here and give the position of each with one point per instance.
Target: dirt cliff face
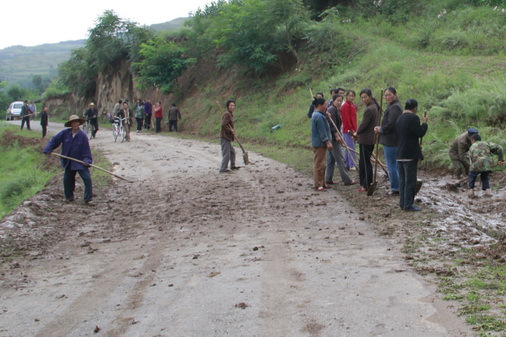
(113, 84)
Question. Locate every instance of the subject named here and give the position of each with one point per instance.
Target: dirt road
(186, 251)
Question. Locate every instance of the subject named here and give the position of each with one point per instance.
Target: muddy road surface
(187, 251)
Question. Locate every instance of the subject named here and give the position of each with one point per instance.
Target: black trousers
(94, 122)
(158, 124)
(147, 122)
(139, 123)
(27, 121)
(172, 124)
(44, 130)
(407, 183)
(364, 165)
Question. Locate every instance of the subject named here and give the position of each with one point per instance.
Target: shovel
(245, 156)
(372, 187)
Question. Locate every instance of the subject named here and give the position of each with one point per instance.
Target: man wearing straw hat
(75, 145)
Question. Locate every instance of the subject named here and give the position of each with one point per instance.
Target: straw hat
(75, 118)
(92, 104)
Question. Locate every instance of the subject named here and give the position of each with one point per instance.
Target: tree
(163, 61)
(17, 93)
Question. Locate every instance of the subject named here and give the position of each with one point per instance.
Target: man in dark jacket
(25, 115)
(409, 152)
(174, 115)
(44, 121)
(388, 137)
(75, 145)
(227, 136)
(92, 115)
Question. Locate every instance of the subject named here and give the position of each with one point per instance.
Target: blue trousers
(407, 183)
(393, 174)
(69, 183)
(485, 182)
(349, 155)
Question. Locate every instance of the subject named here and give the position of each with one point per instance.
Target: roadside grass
(25, 170)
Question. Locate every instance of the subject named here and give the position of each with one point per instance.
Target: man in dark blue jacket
(75, 145)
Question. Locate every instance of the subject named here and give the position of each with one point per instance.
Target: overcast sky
(34, 22)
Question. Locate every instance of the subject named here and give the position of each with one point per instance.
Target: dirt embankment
(186, 251)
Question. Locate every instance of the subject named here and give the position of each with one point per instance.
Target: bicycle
(88, 128)
(119, 129)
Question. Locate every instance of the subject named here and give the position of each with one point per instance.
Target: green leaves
(162, 62)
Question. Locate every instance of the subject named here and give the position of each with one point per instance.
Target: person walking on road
(365, 136)
(174, 115)
(409, 152)
(227, 136)
(44, 121)
(336, 154)
(321, 141)
(458, 153)
(388, 137)
(25, 115)
(92, 115)
(480, 155)
(75, 145)
(349, 116)
(158, 116)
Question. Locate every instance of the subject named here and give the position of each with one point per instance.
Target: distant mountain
(169, 25)
(18, 64)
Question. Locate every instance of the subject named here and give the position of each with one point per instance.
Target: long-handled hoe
(91, 165)
(372, 187)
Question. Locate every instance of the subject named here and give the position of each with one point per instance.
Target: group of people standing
(143, 112)
(335, 131)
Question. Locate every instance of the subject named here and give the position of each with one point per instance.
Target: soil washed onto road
(187, 251)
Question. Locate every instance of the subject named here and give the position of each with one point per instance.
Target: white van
(14, 110)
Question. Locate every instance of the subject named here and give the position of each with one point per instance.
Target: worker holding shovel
(227, 136)
(75, 145)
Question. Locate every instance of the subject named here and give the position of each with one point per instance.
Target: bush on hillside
(330, 43)
(162, 62)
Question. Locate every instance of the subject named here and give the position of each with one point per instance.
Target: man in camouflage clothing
(458, 153)
(480, 155)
